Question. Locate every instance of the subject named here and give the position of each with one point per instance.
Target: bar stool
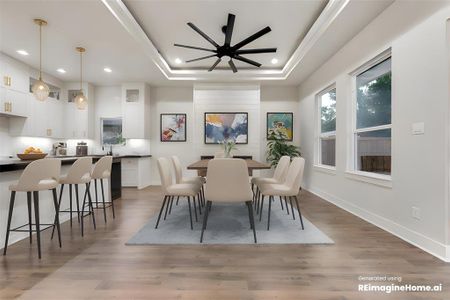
(79, 173)
(39, 175)
(101, 171)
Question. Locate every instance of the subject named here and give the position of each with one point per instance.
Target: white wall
(419, 94)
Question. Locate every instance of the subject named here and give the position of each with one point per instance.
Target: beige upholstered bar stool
(171, 190)
(79, 173)
(198, 180)
(228, 183)
(278, 177)
(39, 175)
(289, 189)
(102, 171)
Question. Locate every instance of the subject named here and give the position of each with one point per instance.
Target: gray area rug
(228, 224)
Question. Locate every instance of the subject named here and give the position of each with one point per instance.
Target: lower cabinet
(136, 172)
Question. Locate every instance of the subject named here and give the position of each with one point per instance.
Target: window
(111, 131)
(326, 102)
(372, 129)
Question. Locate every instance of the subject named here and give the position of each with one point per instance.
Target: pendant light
(39, 88)
(81, 99)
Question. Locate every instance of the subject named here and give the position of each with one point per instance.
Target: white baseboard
(417, 239)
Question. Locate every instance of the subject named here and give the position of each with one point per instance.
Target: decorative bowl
(31, 156)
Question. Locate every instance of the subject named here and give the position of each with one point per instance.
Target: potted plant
(278, 147)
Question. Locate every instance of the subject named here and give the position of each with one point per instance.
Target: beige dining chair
(198, 180)
(278, 177)
(39, 175)
(228, 183)
(172, 190)
(289, 189)
(78, 173)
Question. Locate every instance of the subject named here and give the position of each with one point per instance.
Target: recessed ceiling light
(274, 61)
(107, 70)
(61, 70)
(178, 61)
(22, 52)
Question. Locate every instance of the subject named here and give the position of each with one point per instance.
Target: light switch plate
(418, 128)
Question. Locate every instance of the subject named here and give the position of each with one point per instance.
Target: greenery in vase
(228, 146)
(276, 148)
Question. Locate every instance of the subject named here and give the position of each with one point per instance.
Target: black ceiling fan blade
(252, 38)
(229, 32)
(200, 58)
(203, 34)
(194, 47)
(215, 64)
(254, 51)
(232, 66)
(246, 60)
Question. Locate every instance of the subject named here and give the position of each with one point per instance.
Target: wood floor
(100, 266)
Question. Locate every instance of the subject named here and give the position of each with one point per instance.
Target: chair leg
(171, 203)
(299, 213)
(287, 207)
(11, 208)
(160, 211)
(103, 197)
(70, 205)
(261, 210)
(199, 200)
(268, 214)
(55, 202)
(90, 205)
(205, 219)
(195, 209)
(36, 217)
(178, 199)
(249, 219)
(78, 202)
(59, 206)
(281, 202)
(96, 196)
(292, 208)
(111, 199)
(252, 220)
(190, 212)
(82, 213)
(167, 206)
(258, 195)
(30, 219)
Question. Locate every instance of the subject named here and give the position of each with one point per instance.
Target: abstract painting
(280, 126)
(173, 127)
(226, 126)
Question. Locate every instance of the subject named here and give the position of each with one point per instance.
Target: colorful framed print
(173, 128)
(280, 126)
(222, 126)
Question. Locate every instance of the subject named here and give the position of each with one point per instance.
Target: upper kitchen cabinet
(136, 111)
(79, 124)
(15, 75)
(13, 103)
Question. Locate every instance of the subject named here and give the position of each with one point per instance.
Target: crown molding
(323, 22)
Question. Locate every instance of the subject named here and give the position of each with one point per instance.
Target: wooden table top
(251, 164)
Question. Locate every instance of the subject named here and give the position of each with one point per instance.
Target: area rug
(228, 224)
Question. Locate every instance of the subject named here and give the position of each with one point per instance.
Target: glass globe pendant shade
(40, 90)
(81, 101)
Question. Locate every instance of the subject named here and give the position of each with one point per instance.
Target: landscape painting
(220, 127)
(280, 126)
(173, 127)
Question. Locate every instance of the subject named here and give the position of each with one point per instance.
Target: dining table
(202, 166)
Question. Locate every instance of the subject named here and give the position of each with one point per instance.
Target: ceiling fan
(233, 52)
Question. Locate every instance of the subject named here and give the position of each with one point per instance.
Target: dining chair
(278, 177)
(228, 183)
(197, 180)
(39, 175)
(172, 190)
(289, 189)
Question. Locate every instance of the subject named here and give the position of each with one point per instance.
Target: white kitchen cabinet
(136, 111)
(79, 124)
(15, 75)
(136, 172)
(13, 103)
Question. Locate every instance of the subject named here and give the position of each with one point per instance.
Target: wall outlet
(415, 213)
(418, 128)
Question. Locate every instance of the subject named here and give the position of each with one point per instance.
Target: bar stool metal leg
(55, 201)
(110, 198)
(11, 208)
(96, 196)
(59, 206)
(78, 202)
(91, 206)
(70, 206)
(36, 217)
(30, 219)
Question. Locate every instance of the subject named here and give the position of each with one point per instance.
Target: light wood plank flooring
(100, 266)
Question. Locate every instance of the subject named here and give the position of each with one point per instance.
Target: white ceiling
(108, 42)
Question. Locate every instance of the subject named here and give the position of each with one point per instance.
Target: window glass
(328, 111)
(328, 151)
(374, 151)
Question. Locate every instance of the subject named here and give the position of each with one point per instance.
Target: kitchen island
(10, 171)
